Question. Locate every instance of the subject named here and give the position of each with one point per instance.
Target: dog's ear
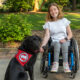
(38, 38)
(35, 36)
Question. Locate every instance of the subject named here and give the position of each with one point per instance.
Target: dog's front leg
(31, 73)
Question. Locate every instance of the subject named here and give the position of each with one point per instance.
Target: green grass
(75, 20)
(38, 20)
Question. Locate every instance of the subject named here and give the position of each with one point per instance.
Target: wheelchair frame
(73, 59)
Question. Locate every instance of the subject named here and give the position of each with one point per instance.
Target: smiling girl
(57, 27)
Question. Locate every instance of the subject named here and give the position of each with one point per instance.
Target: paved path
(38, 76)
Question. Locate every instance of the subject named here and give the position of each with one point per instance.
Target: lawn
(37, 20)
(75, 20)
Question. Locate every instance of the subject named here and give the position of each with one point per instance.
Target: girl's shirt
(57, 28)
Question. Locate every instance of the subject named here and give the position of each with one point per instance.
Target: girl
(57, 27)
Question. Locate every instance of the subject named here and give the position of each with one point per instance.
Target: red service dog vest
(23, 57)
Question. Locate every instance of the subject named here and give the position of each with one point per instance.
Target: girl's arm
(46, 37)
(69, 32)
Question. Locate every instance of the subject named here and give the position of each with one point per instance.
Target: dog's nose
(36, 51)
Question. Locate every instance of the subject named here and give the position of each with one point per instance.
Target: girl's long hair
(49, 17)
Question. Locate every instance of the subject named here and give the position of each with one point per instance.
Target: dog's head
(31, 44)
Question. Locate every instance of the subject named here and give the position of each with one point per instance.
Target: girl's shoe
(55, 67)
(66, 67)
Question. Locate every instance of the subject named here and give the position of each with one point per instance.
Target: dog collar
(23, 57)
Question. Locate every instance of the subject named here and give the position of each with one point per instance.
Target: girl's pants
(64, 49)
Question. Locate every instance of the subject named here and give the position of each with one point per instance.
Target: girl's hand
(62, 40)
(41, 50)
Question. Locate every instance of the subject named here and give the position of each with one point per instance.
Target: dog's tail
(22, 76)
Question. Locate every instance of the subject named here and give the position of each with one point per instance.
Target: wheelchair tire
(76, 55)
(75, 51)
(43, 63)
(45, 73)
(72, 76)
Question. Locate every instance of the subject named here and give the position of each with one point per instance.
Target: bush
(17, 5)
(4, 8)
(14, 28)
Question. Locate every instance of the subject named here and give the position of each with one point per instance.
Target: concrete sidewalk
(37, 75)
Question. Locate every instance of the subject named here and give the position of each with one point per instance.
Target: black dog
(24, 60)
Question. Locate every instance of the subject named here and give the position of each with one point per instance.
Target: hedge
(14, 28)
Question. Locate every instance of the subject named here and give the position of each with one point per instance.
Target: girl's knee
(64, 47)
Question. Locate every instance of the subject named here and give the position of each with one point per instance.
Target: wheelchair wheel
(43, 66)
(72, 75)
(45, 73)
(76, 55)
(75, 51)
(73, 71)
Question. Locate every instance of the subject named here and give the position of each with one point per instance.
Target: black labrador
(24, 60)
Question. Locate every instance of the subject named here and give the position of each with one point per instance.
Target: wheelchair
(73, 58)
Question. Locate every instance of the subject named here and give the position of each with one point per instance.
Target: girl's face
(54, 11)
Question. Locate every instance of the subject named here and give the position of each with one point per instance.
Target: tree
(42, 4)
(36, 5)
(73, 4)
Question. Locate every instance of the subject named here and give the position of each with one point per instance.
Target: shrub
(18, 5)
(14, 28)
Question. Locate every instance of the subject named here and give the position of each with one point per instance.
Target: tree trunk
(36, 6)
(42, 4)
(73, 5)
